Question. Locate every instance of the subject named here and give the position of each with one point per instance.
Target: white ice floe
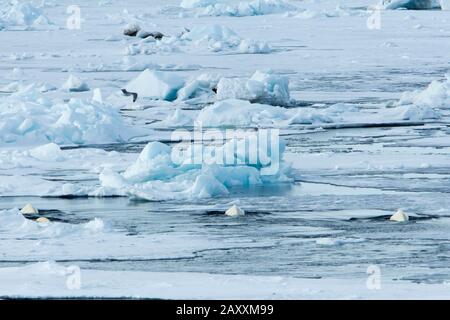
(28, 171)
(220, 38)
(262, 87)
(156, 85)
(16, 86)
(177, 119)
(337, 241)
(189, 4)
(20, 15)
(14, 224)
(435, 95)
(237, 9)
(199, 88)
(241, 113)
(53, 278)
(27, 117)
(213, 38)
(339, 11)
(75, 84)
(54, 240)
(163, 173)
(47, 152)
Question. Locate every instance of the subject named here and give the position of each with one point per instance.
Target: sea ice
(212, 38)
(28, 117)
(262, 87)
(53, 279)
(337, 241)
(188, 4)
(156, 85)
(435, 95)
(22, 16)
(75, 84)
(163, 173)
(14, 224)
(241, 113)
(47, 152)
(238, 9)
(339, 11)
(219, 38)
(177, 119)
(16, 86)
(201, 86)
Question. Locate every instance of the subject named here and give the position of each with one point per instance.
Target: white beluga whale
(42, 220)
(29, 209)
(412, 4)
(399, 216)
(235, 211)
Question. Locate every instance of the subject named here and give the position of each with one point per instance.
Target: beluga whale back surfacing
(399, 216)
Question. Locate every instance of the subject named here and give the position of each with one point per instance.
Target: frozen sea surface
(314, 238)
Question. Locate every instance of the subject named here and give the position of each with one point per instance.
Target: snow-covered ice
(199, 39)
(23, 15)
(162, 173)
(156, 85)
(237, 8)
(28, 117)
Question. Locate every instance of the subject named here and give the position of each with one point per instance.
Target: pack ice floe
(163, 173)
(264, 87)
(22, 15)
(236, 9)
(213, 38)
(28, 117)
